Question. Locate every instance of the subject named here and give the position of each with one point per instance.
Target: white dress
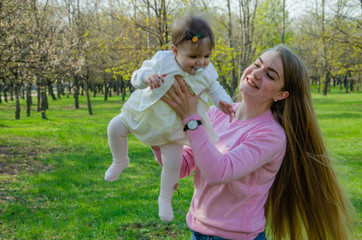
(151, 120)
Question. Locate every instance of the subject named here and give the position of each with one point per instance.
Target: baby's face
(193, 56)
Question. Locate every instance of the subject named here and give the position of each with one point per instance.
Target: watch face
(192, 124)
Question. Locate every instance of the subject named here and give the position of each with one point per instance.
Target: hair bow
(194, 37)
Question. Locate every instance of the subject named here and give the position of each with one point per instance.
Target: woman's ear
(281, 96)
(174, 49)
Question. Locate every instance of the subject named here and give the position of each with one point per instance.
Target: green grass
(51, 172)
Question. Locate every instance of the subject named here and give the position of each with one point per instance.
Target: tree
(247, 15)
(327, 38)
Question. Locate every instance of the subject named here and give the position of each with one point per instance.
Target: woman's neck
(247, 111)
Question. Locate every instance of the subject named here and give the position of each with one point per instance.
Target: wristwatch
(192, 124)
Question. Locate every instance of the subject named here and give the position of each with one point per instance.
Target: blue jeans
(200, 236)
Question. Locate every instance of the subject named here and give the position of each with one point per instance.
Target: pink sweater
(233, 176)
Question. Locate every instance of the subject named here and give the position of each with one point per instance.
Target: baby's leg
(171, 154)
(117, 138)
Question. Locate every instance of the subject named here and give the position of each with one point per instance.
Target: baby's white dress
(151, 120)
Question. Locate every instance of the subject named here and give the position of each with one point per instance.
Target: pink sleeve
(188, 162)
(263, 146)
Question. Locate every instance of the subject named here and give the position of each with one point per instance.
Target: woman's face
(263, 81)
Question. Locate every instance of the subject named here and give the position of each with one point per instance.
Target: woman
(269, 164)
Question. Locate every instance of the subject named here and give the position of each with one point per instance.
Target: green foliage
(52, 183)
(222, 58)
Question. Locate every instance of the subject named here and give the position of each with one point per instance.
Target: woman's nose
(256, 74)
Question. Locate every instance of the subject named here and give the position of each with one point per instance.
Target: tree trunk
(59, 88)
(247, 28)
(76, 91)
(11, 91)
(1, 89)
(358, 83)
(130, 87)
(148, 24)
(22, 88)
(69, 92)
(43, 105)
(86, 85)
(327, 82)
(110, 87)
(43, 99)
(118, 83)
(28, 100)
(105, 88)
(17, 96)
(122, 86)
(50, 90)
(282, 35)
(351, 84)
(38, 93)
(319, 85)
(234, 82)
(5, 95)
(88, 98)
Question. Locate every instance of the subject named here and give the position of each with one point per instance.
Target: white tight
(171, 154)
(117, 140)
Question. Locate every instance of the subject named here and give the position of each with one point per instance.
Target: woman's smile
(251, 83)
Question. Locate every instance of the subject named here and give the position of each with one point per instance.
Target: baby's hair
(190, 26)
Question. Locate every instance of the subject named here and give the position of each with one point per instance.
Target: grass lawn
(51, 172)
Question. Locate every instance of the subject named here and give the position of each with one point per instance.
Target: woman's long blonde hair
(306, 200)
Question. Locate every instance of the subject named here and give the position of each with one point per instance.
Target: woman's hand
(182, 101)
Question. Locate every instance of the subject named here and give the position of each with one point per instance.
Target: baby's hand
(227, 109)
(154, 80)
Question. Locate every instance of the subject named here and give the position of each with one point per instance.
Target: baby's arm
(151, 66)
(217, 93)
(154, 80)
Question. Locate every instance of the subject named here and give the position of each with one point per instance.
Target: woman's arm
(253, 152)
(216, 167)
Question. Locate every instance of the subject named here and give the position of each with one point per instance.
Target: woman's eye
(269, 76)
(256, 65)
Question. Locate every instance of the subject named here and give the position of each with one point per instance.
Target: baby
(152, 121)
